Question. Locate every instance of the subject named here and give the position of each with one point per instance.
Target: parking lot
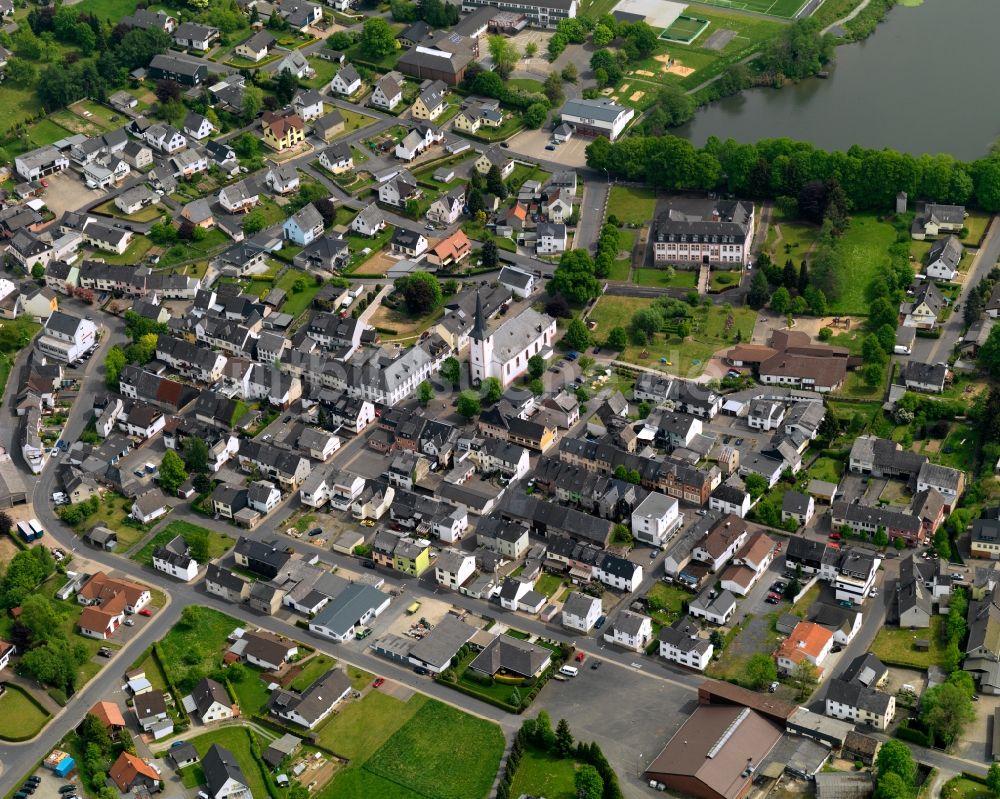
(67, 193)
(532, 143)
(629, 715)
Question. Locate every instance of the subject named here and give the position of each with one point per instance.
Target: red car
(378, 682)
(773, 595)
(145, 612)
(834, 536)
(580, 656)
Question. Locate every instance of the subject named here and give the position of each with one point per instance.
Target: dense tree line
(774, 168)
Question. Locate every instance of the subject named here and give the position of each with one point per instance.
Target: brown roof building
(793, 360)
(715, 753)
(130, 772)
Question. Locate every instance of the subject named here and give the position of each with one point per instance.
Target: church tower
(480, 347)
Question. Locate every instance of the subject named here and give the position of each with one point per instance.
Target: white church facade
(504, 353)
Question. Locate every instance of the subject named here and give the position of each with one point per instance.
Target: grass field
(686, 358)
(106, 9)
(218, 543)
(865, 250)
(361, 727)
(786, 9)
(681, 278)
(251, 691)
(964, 788)
(541, 774)
(20, 717)
(632, 206)
(422, 754)
(721, 280)
(19, 104)
(796, 239)
(193, 647)
(895, 646)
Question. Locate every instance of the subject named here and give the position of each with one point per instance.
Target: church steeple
(479, 325)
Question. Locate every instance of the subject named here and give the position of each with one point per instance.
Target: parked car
(316, 531)
(771, 600)
(421, 671)
(146, 612)
(595, 665)
(772, 687)
(379, 681)
(580, 657)
(600, 622)
(129, 622)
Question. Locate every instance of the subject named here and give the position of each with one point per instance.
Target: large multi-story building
(712, 232)
(539, 13)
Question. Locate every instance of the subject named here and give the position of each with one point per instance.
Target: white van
(569, 671)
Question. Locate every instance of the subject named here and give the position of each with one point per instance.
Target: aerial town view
(499, 399)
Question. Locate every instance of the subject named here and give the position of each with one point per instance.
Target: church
(504, 353)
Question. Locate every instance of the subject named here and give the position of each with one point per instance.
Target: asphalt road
(936, 350)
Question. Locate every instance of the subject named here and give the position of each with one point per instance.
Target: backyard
(218, 543)
(666, 602)
(361, 727)
(686, 357)
(895, 646)
(312, 669)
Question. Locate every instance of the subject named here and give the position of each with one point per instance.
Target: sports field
(786, 9)
(685, 29)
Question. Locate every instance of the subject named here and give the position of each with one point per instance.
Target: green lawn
(356, 782)
(361, 727)
(526, 84)
(237, 741)
(353, 121)
(785, 9)
(548, 584)
(193, 647)
(325, 70)
(826, 469)
(312, 669)
(112, 10)
(20, 717)
(865, 250)
(218, 543)
(133, 253)
(680, 279)
(297, 301)
(723, 279)
(964, 788)
(423, 756)
(150, 213)
(19, 104)
(668, 352)
(251, 691)
(541, 774)
(215, 240)
(976, 223)
(632, 205)
(479, 232)
(895, 646)
(796, 239)
(523, 172)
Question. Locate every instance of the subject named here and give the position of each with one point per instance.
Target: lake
(924, 82)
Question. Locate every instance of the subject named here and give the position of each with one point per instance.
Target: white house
(174, 559)
(656, 519)
(681, 644)
(453, 567)
(67, 338)
(728, 499)
(346, 82)
(807, 642)
(630, 630)
(581, 612)
(210, 701)
(859, 704)
(388, 92)
(304, 226)
(520, 283)
(551, 238)
(149, 506)
(599, 117)
(713, 606)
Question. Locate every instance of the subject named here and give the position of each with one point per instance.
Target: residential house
(681, 644)
(431, 101)
(713, 606)
(925, 309)
(369, 221)
(656, 519)
(411, 243)
(494, 156)
(283, 130)
(197, 126)
(447, 208)
(315, 704)
(388, 91)
(936, 219)
(193, 36)
(304, 226)
(630, 630)
(256, 47)
(859, 704)
(329, 126)
(226, 584)
(551, 238)
(337, 158)
(149, 506)
(346, 82)
(808, 642)
(239, 197)
(224, 778)
(178, 68)
(520, 283)
(944, 258)
(282, 179)
(309, 104)
(66, 338)
(130, 773)
(730, 499)
(797, 506)
(451, 250)
(927, 377)
(581, 612)
(453, 568)
(210, 701)
(175, 559)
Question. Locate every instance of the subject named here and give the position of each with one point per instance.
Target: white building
(656, 519)
(67, 338)
(680, 644)
(630, 630)
(504, 353)
(596, 117)
(453, 567)
(581, 612)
